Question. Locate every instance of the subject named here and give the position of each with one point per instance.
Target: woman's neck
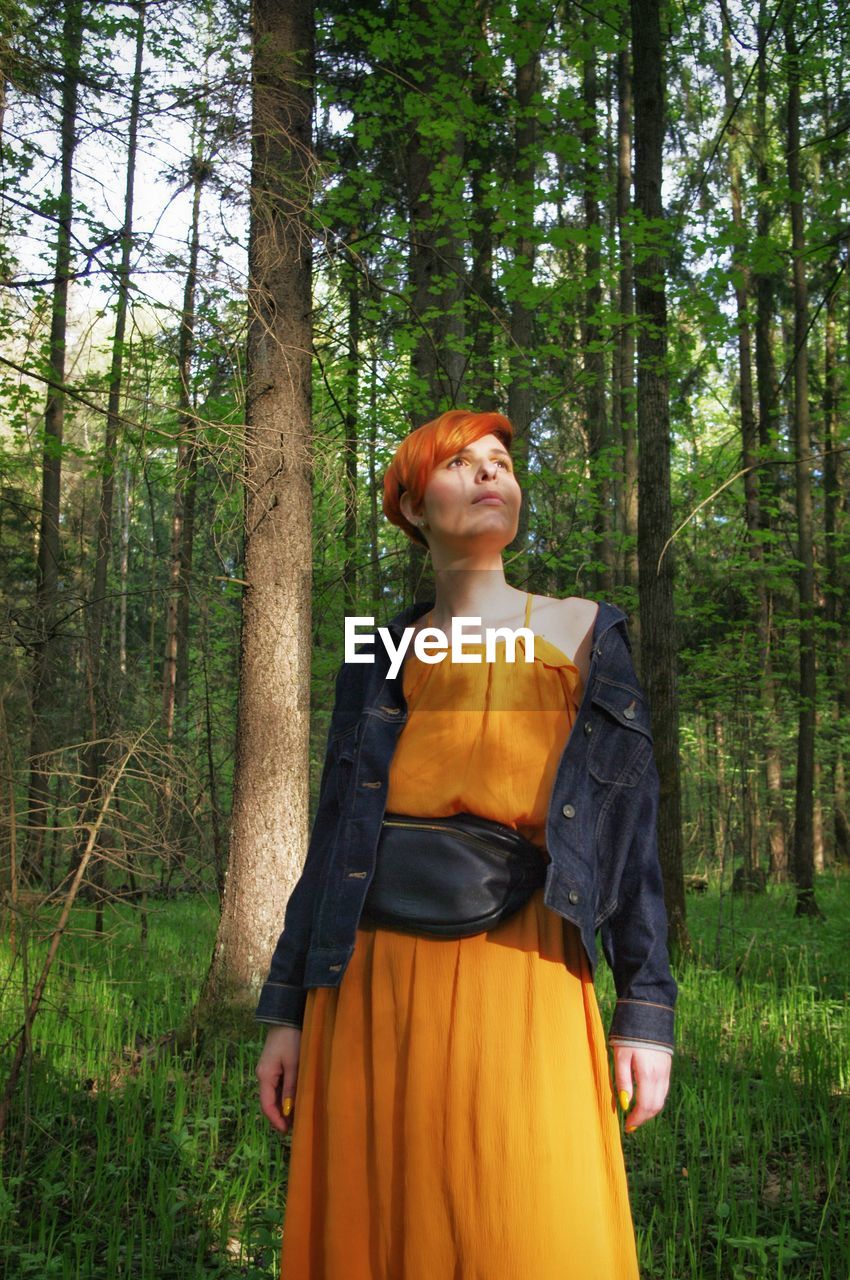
(476, 593)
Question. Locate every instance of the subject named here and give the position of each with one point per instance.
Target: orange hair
(425, 448)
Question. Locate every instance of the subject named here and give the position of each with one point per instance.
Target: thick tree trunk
(801, 435)
(270, 799)
(658, 622)
(45, 647)
(595, 407)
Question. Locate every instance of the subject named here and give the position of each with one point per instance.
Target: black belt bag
(450, 877)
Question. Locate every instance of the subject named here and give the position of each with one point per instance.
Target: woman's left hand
(646, 1071)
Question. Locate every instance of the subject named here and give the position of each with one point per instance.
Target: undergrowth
(130, 1154)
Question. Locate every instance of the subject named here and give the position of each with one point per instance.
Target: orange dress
(455, 1117)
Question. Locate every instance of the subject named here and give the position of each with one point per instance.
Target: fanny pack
(450, 877)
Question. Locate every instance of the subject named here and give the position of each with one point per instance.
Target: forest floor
(130, 1157)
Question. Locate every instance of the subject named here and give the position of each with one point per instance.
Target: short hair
(424, 449)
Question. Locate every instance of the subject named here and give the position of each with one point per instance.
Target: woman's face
(472, 495)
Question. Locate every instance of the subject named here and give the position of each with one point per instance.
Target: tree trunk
(765, 365)
(45, 646)
(623, 402)
(481, 305)
(721, 824)
(375, 576)
(436, 249)
(767, 398)
(270, 796)
(804, 811)
(658, 622)
(753, 516)
(350, 447)
(834, 542)
(175, 672)
(124, 570)
(595, 408)
(103, 703)
(521, 334)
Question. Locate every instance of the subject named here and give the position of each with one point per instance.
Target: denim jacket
(603, 873)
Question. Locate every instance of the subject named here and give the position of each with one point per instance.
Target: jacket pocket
(620, 735)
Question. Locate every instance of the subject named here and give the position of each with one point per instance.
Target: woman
(455, 1111)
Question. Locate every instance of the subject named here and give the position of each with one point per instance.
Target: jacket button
(568, 811)
(573, 896)
(588, 727)
(629, 711)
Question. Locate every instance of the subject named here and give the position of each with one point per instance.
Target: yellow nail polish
(624, 1100)
(287, 1106)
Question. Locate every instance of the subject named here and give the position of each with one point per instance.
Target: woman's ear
(407, 508)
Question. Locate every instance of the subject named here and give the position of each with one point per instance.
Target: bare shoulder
(574, 613)
(568, 624)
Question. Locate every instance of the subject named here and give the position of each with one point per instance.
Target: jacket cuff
(618, 1043)
(281, 1003)
(643, 1020)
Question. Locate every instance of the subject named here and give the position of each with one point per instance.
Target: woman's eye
(452, 461)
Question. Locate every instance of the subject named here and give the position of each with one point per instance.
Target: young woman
(454, 1113)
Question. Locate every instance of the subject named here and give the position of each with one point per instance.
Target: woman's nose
(487, 469)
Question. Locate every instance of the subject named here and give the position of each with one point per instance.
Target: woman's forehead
(484, 444)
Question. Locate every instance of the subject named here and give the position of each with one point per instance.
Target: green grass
(129, 1158)
(747, 1173)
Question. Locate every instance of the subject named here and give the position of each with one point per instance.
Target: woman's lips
(490, 498)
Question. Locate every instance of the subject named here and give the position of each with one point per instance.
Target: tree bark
(436, 250)
(351, 434)
(801, 437)
(374, 561)
(767, 398)
(481, 305)
(103, 703)
(521, 332)
(45, 646)
(595, 407)
(175, 670)
(753, 517)
(658, 622)
(623, 402)
(270, 799)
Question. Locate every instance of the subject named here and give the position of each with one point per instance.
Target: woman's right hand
(277, 1072)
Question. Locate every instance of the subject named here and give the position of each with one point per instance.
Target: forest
(244, 249)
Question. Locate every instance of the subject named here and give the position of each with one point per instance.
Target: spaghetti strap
(528, 603)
